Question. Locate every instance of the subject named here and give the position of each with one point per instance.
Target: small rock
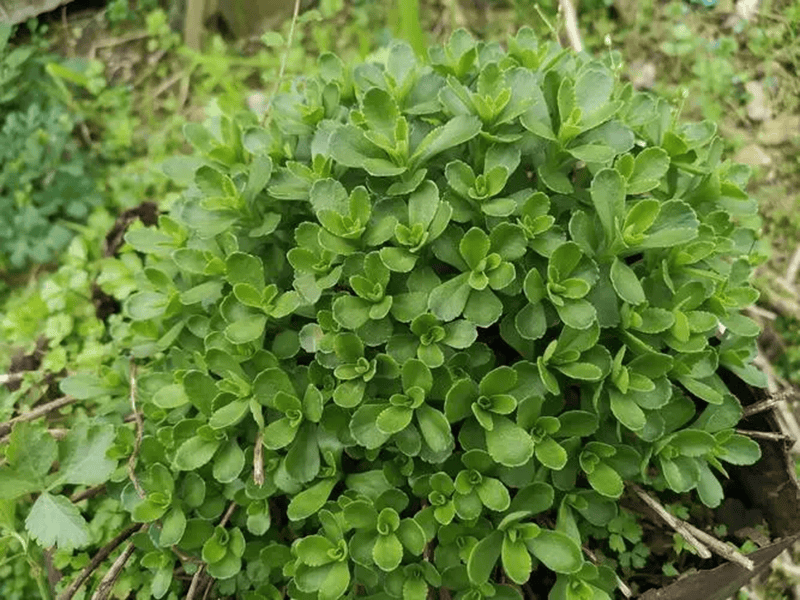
(643, 75)
(779, 130)
(758, 108)
(753, 155)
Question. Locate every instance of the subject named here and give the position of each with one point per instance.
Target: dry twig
(97, 560)
(765, 435)
(258, 460)
(759, 407)
(285, 56)
(721, 548)
(37, 412)
(793, 269)
(672, 521)
(198, 576)
(571, 24)
(89, 493)
(701, 541)
(104, 589)
(139, 433)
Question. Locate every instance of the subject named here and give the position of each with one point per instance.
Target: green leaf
(228, 462)
(146, 306)
(412, 536)
(681, 473)
(741, 450)
(302, 460)
(608, 197)
(336, 582)
(13, 484)
(313, 550)
(351, 148)
(456, 131)
(387, 552)
(310, 501)
(394, 418)
(484, 556)
(364, 429)
(423, 204)
(245, 268)
(626, 411)
(516, 560)
(448, 300)
(676, 224)
(228, 415)
(435, 429)
(557, 551)
(54, 520)
(493, 494)
(248, 330)
(626, 283)
(649, 167)
(509, 444)
(170, 396)
(83, 386)
(31, 451)
(173, 528)
(474, 246)
(606, 480)
(551, 454)
(351, 312)
(85, 461)
(693, 442)
(194, 453)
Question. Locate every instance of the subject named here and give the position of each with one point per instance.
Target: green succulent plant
(424, 325)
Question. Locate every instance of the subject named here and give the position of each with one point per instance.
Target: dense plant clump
(419, 331)
(44, 178)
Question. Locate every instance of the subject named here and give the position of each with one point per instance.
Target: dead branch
(672, 521)
(571, 24)
(760, 407)
(793, 269)
(258, 460)
(285, 56)
(97, 560)
(89, 493)
(110, 578)
(624, 589)
(139, 433)
(721, 548)
(195, 582)
(765, 435)
(198, 576)
(37, 412)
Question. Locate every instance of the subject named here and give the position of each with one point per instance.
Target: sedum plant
(420, 330)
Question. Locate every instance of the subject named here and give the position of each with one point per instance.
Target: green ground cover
(83, 111)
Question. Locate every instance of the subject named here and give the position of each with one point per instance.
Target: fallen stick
(676, 524)
(759, 407)
(571, 25)
(195, 585)
(89, 493)
(721, 548)
(258, 460)
(139, 433)
(96, 561)
(37, 412)
(765, 435)
(110, 578)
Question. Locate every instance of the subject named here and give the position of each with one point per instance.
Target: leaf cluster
(423, 326)
(45, 179)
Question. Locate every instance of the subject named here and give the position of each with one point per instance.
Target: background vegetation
(93, 104)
